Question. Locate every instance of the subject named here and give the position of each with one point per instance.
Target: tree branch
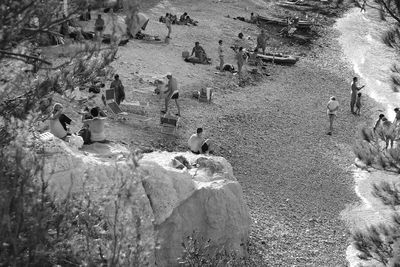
(25, 56)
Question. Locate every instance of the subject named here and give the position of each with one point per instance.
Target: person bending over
(197, 144)
(172, 92)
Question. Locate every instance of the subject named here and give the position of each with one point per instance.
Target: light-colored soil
(295, 178)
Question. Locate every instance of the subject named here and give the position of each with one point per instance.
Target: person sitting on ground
(96, 125)
(183, 18)
(119, 91)
(262, 41)
(332, 108)
(197, 144)
(59, 122)
(358, 104)
(172, 92)
(191, 21)
(200, 55)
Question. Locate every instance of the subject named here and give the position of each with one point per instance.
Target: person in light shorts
(332, 109)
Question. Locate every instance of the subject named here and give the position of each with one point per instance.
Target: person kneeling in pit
(197, 144)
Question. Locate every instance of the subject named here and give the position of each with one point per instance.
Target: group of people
(386, 130)
(92, 129)
(355, 102)
(184, 19)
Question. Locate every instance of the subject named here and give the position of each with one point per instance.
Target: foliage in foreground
(35, 229)
(199, 252)
(380, 242)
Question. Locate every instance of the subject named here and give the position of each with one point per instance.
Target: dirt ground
(296, 179)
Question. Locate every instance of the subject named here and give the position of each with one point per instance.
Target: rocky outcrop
(206, 199)
(171, 202)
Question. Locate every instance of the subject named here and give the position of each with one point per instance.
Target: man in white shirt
(197, 144)
(332, 108)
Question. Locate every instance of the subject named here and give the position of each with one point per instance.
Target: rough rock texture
(172, 202)
(98, 171)
(207, 200)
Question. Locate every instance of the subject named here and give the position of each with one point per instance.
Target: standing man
(332, 108)
(168, 23)
(354, 91)
(99, 27)
(221, 56)
(240, 61)
(119, 91)
(262, 41)
(172, 92)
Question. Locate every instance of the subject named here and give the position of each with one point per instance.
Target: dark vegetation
(36, 230)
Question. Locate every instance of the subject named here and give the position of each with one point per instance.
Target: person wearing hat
(172, 92)
(332, 108)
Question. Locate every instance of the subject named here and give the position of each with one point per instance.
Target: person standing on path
(172, 93)
(221, 56)
(119, 91)
(261, 41)
(332, 108)
(168, 23)
(354, 91)
(358, 104)
(99, 27)
(240, 61)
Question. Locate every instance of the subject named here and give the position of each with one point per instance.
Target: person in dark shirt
(119, 91)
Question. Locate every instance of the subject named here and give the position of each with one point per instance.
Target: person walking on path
(99, 27)
(332, 108)
(240, 61)
(221, 56)
(172, 92)
(119, 91)
(354, 90)
(168, 23)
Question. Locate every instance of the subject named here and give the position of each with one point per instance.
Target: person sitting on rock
(197, 144)
(96, 125)
(59, 122)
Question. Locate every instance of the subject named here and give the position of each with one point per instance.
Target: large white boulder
(206, 200)
(171, 203)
